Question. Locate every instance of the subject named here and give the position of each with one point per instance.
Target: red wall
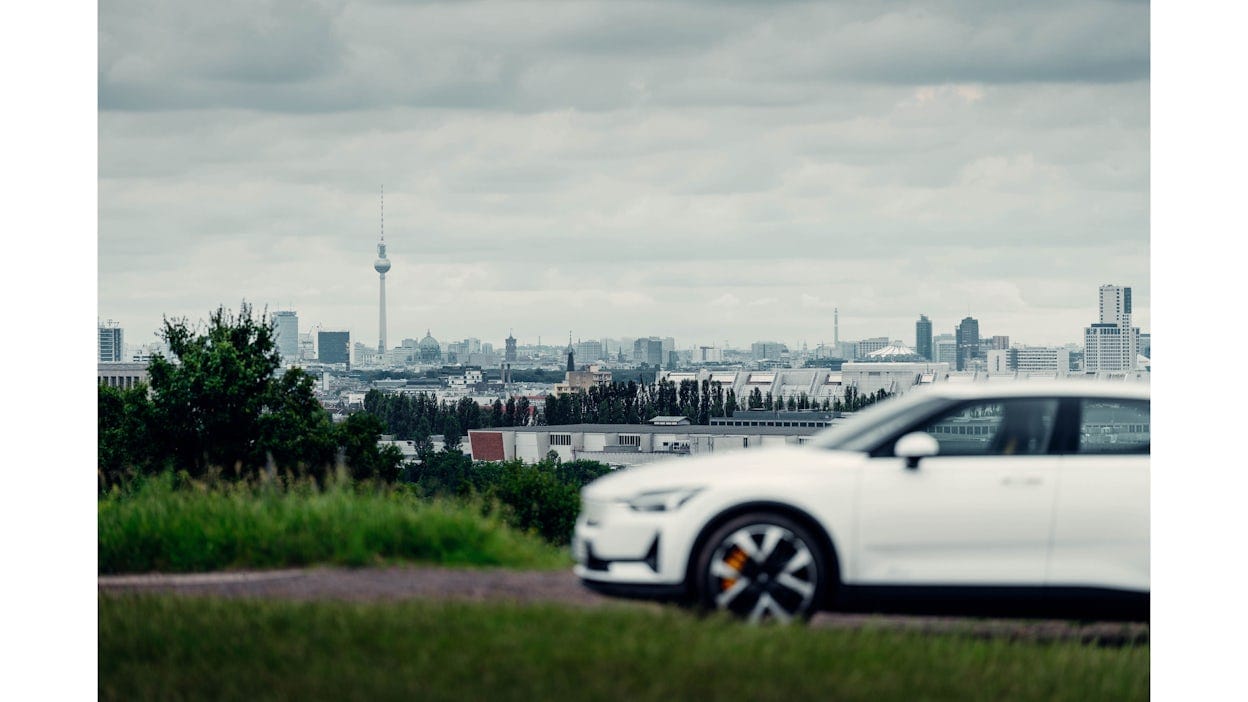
(487, 445)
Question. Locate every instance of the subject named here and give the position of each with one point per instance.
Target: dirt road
(397, 583)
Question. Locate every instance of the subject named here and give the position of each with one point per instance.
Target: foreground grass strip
(158, 528)
(162, 647)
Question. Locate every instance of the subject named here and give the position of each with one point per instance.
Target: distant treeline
(417, 416)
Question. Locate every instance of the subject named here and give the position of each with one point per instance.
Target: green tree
(219, 403)
(451, 433)
(125, 443)
(357, 436)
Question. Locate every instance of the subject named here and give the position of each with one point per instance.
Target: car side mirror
(914, 446)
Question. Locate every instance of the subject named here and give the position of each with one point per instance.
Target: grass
(155, 527)
(167, 648)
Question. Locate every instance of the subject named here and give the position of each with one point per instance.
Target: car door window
(1013, 427)
(1114, 426)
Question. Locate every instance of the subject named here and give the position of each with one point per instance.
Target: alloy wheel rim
(763, 572)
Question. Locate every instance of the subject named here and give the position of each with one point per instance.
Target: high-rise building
(333, 347)
(945, 349)
(307, 347)
(669, 345)
(967, 337)
(999, 343)
(112, 347)
(866, 346)
(286, 328)
(773, 350)
(1112, 344)
(589, 351)
(923, 337)
(1115, 305)
(648, 350)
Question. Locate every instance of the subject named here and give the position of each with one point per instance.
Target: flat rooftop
(652, 429)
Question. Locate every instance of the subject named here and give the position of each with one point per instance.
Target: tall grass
(155, 526)
(167, 647)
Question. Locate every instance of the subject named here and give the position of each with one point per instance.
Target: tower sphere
(381, 265)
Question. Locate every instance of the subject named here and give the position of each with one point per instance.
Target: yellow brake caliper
(736, 558)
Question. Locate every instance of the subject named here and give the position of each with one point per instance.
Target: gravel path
(397, 583)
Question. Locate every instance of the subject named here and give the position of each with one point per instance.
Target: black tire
(789, 583)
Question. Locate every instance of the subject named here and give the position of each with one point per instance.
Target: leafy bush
(543, 498)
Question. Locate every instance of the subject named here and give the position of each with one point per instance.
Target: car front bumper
(615, 545)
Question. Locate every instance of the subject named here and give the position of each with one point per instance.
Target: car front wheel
(762, 567)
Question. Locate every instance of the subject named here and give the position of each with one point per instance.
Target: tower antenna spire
(382, 265)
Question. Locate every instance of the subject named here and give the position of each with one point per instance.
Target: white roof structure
(892, 350)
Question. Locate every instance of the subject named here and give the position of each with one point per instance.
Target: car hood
(745, 466)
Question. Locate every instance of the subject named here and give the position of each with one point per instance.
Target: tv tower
(381, 265)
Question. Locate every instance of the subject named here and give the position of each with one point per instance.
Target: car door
(1101, 533)
(980, 512)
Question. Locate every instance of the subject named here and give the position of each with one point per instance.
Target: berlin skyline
(711, 173)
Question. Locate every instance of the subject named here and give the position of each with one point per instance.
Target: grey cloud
(535, 57)
(532, 158)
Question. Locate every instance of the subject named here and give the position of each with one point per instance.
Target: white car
(1019, 498)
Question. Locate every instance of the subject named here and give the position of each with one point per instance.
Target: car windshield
(864, 429)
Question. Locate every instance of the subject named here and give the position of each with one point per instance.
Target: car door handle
(1022, 481)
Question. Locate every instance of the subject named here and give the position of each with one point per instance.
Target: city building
(307, 347)
(286, 331)
(945, 349)
(588, 351)
(1112, 344)
(112, 346)
(430, 351)
(626, 444)
(767, 350)
(891, 377)
(121, 375)
(999, 343)
(868, 346)
(648, 350)
(366, 355)
(583, 380)
(509, 348)
(776, 418)
(333, 347)
(708, 354)
(1031, 360)
(967, 337)
(923, 337)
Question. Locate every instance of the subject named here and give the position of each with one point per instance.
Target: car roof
(1127, 390)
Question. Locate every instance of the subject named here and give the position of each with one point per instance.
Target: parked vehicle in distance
(1022, 498)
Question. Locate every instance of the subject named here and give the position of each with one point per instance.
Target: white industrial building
(870, 377)
(625, 444)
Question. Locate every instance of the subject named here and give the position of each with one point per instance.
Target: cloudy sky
(709, 171)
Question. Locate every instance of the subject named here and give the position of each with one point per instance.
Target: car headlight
(660, 500)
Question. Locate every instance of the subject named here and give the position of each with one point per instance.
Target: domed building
(429, 350)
